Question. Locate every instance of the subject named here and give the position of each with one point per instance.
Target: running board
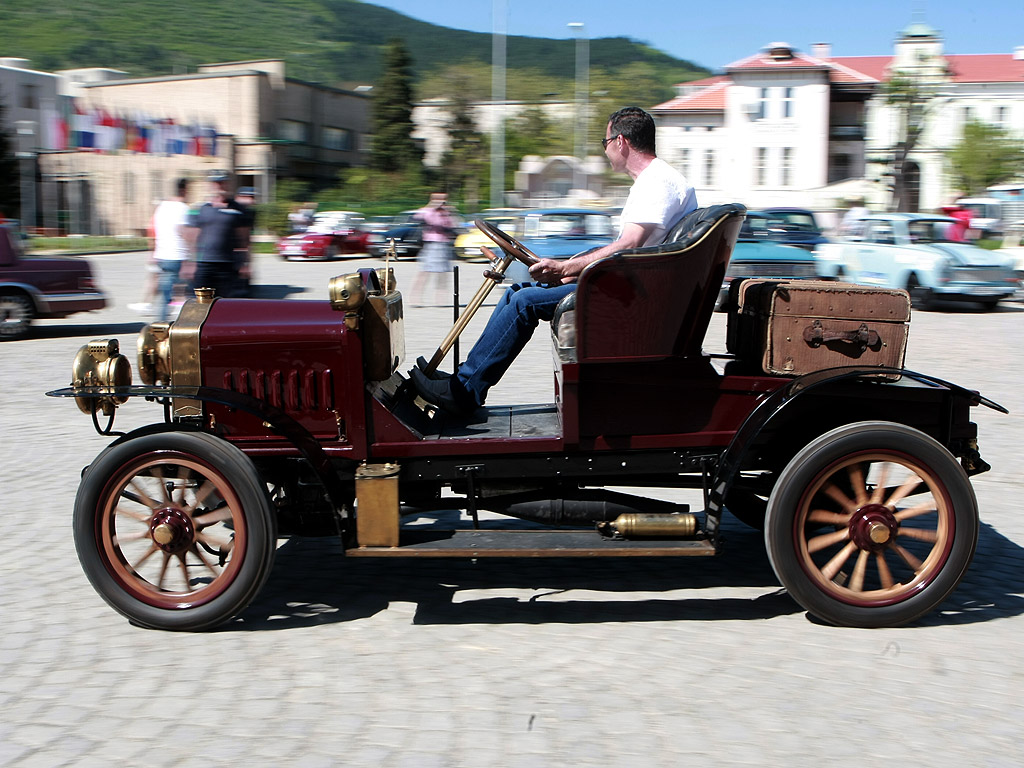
(519, 543)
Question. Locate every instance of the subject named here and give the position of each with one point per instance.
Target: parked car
(986, 216)
(280, 416)
(794, 226)
(558, 233)
(34, 287)
(332, 233)
(759, 254)
(407, 232)
(467, 245)
(1013, 247)
(913, 251)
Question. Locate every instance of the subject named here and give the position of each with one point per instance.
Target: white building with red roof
(783, 127)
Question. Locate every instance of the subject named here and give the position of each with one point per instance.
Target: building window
(129, 187)
(337, 138)
(787, 102)
(787, 166)
(709, 167)
(762, 102)
(684, 162)
(156, 183)
(761, 167)
(1002, 116)
(29, 97)
(294, 130)
(968, 114)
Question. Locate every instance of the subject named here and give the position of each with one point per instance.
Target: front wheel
(175, 530)
(871, 525)
(16, 313)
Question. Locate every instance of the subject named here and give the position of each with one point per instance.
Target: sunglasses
(609, 140)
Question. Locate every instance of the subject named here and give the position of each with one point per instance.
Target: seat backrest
(654, 303)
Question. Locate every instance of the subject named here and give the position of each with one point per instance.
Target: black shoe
(421, 363)
(438, 392)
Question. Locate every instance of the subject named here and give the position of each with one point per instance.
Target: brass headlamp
(101, 364)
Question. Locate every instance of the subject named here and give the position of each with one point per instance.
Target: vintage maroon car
(288, 416)
(41, 287)
(331, 234)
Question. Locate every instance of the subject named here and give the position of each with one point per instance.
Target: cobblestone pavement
(503, 663)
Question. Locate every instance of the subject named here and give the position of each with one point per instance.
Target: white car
(919, 252)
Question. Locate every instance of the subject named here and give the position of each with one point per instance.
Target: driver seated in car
(660, 196)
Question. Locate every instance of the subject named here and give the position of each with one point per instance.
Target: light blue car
(558, 233)
(920, 253)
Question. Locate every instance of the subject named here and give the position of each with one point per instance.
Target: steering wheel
(507, 243)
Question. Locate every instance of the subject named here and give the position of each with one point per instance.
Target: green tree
(914, 97)
(985, 155)
(464, 167)
(532, 132)
(10, 190)
(393, 146)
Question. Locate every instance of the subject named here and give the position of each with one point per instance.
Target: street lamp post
(582, 107)
(498, 19)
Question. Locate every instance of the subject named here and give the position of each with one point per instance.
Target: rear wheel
(871, 525)
(16, 314)
(921, 297)
(175, 530)
(331, 252)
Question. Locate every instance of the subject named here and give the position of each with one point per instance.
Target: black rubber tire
(807, 561)
(920, 297)
(105, 531)
(331, 253)
(16, 314)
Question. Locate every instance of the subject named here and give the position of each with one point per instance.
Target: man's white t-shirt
(168, 219)
(661, 196)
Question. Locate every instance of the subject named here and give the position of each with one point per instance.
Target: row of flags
(74, 126)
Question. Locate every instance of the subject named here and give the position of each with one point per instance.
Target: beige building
(115, 147)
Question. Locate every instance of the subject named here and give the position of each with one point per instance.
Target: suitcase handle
(816, 335)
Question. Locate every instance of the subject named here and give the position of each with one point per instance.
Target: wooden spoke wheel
(175, 530)
(871, 525)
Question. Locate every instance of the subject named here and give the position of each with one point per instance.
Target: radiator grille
(291, 390)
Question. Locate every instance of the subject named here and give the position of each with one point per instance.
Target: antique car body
(33, 287)
(759, 254)
(913, 251)
(331, 234)
(294, 416)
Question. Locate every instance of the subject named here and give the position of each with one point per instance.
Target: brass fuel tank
(638, 525)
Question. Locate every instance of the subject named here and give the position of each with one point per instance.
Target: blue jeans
(511, 325)
(170, 269)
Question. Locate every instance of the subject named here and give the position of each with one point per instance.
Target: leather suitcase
(799, 326)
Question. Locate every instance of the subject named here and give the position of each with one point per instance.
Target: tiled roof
(845, 70)
(710, 99)
(986, 68)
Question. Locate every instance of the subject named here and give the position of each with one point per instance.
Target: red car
(331, 234)
(41, 287)
(293, 417)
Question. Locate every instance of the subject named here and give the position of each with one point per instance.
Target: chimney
(1018, 53)
(821, 50)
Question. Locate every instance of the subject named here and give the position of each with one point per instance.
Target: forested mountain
(335, 42)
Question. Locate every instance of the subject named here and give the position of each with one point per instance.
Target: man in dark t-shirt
(223, 229)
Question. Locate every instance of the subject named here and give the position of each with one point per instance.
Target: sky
(716, 34)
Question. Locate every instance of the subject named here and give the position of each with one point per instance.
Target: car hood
(761, 250)
(970, 255)
(563, 247)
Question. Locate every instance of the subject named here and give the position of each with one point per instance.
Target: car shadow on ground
(263, 291)
(313, 583)
(90, 330)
